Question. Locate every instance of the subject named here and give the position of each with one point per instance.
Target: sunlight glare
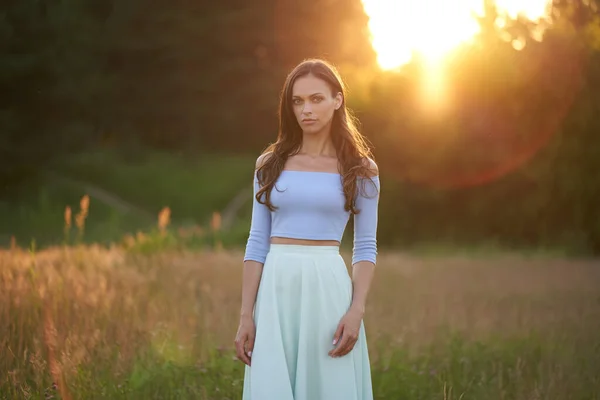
(433, 90)
(533, 10)
(432, 28)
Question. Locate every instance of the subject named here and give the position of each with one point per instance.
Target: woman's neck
(318, 145)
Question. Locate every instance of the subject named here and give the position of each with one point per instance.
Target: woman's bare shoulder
(371, 165)
(260, 161)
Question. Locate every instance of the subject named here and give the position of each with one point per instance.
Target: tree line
(510, 156)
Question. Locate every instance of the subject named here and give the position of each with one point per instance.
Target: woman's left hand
(347, 331)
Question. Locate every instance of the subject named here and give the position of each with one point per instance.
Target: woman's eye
(317, 99)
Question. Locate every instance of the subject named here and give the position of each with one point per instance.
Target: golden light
(432, 28)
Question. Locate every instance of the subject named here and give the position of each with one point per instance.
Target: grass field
(192, 187)
(92, 323)
(126, 192)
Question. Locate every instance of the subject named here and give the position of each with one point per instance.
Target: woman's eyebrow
(310, 95)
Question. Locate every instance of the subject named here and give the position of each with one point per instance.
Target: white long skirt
(303, 294)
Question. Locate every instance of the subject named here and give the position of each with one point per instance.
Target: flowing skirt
(303, 294)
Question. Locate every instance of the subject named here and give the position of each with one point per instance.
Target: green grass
(37, 216)
(110, 324)
(485, 249)
(192, 188)
(456, 369)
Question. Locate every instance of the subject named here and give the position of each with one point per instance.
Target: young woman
(301, 332)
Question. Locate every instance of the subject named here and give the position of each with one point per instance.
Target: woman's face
(314, 103)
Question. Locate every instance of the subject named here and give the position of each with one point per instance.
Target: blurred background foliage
(145, 106)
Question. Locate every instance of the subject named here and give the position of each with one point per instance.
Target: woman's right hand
(244, 340)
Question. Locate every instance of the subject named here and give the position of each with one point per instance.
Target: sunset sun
(432, 28)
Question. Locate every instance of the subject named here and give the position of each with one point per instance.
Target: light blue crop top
(310, 205)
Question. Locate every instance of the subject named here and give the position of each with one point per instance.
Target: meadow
(99, 300)
(126, 190)
(97, 322)
(494, 147)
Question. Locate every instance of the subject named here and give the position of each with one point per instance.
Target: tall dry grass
(88, 322)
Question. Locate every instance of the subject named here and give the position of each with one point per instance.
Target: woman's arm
(257, 248)
(364, 259)
(251, 280)
(362, 276)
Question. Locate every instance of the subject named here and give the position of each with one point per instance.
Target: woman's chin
(312, 130)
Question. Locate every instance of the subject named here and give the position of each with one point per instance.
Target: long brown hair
(352, 150)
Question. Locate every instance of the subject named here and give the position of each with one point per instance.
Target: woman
(301, 333)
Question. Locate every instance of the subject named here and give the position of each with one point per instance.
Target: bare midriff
(304, 242)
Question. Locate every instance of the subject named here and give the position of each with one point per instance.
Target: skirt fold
(303, 294)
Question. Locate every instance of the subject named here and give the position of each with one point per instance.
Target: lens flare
(458, 130)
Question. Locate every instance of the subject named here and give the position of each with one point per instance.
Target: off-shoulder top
(310, 205)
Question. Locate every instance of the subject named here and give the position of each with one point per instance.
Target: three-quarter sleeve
(365, 222)
(258, 242)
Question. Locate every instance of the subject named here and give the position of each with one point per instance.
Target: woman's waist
(308, 229)
(304, 241)
(303, 246)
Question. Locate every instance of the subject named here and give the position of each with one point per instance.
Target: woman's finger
(338, 333)
(346, 345)
(337, 351)
(348, 348)
(340, 351)
(240, 343)
(250, 348)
